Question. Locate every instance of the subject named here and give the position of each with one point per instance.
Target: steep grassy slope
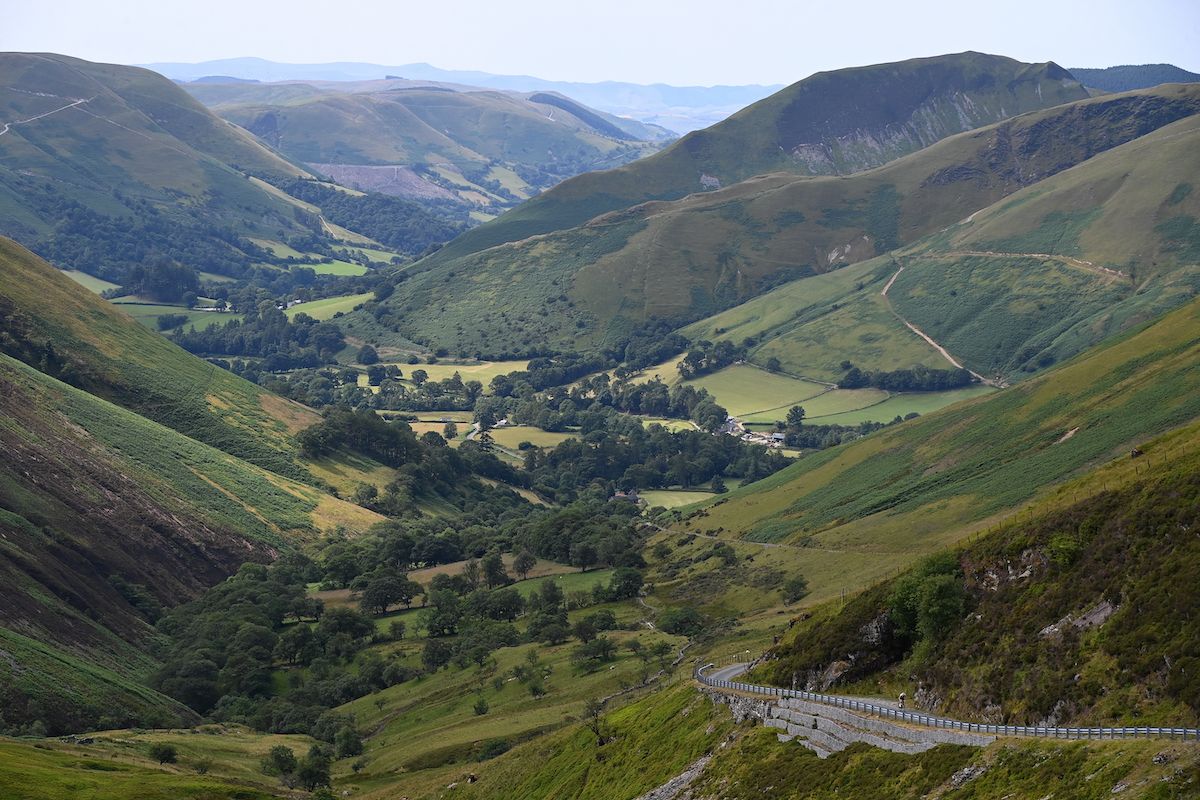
(103, 165)
(830, 123)
(91, 493)
(1082, 614)
(915, 487)
(482, 148)
(49, 321)
(683, 259)
(1111, 243)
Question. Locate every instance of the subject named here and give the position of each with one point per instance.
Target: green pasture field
(325, 309)
(90, 282)
(512, 436)
(673, 498)
(338, 268)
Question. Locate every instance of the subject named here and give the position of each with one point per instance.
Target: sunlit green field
(482, 371)
(673, 498)
(511, 437)
(325, 309)
(90, 282)
(338, 268)
(148, 314)
(900, 405)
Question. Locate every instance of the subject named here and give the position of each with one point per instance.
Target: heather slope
(105, 516)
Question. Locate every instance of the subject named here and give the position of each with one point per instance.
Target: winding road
(723, 678)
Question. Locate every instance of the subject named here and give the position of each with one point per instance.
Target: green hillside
(1079, 614)
(92, 494)
(919, 486)
(677, 261)
(483, 149)
(1023, 284)
(103, 167)
(828, 124)
(1132, 76)
(56, 325)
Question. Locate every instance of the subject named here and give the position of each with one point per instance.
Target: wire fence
(928, 721)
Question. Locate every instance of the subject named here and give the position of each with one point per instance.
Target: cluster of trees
(544, 373)
(616, 451)
(281, 343)
(706, 357)
(421, 394)
(425, 466)
(916, 379)
(819, 437)
(110, 247)
(403, 225)
(162, 279)
(652, 343)
(563, 407)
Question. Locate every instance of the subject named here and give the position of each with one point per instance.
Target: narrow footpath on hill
(929, 339)
(8, 125)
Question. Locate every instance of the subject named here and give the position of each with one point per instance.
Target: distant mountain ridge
(483, 149)
(670, 260)
(832, 123)
(1133, 76)
(679, 108)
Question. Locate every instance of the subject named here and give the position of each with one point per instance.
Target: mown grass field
(542, 569)
(673, 498)
(669, 424)
(148, 314)
(89, 282)
(338, 268)
(898, 405)
(743, 389)
(569, 581)
(326, 308)
(514, 435)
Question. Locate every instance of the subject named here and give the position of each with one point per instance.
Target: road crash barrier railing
(925, 720)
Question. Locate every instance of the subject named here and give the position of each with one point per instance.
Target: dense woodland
(408, 227)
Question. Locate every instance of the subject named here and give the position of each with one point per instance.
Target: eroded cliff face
(881, 117)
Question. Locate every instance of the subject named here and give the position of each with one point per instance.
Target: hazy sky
(644, 41)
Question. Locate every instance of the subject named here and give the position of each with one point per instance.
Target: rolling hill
(483, 149)
(1112, 246)
(678, 108)
(109, 169)
(832, 123)
(103, 167)
(926, 483)
(60, 328)
(675, 261)
(1132, 76)
(106, 516)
